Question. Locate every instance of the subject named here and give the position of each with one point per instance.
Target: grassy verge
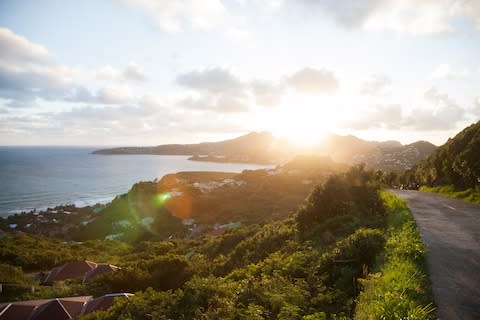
(400, 289)
(470, 195)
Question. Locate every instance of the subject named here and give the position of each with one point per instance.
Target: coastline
(42, 177)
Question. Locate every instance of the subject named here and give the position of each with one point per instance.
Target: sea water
(42, 177)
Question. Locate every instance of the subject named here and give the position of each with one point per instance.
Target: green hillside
(455, 163)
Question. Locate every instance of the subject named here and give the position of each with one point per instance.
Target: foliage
(355, 192)
(455, 163)
(470, 194)
(400, 290)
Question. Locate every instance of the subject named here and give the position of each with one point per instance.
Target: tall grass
(400, 288)
(470, 195)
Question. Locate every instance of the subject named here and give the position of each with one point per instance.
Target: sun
(303, 136)
(304, 125)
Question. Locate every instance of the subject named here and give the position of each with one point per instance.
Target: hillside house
(86, 270)
(57, 308)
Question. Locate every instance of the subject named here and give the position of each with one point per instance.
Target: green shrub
(400, 290)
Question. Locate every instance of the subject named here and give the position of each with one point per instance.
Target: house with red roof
(58, 308)
(86, 270)
(100, 269)
(69, 270)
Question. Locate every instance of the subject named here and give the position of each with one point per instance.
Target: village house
(86, 270)
(57, 308)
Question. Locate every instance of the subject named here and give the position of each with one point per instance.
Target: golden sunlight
(304, 121)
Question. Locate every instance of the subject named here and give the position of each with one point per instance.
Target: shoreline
(77, 204)
(83, 203)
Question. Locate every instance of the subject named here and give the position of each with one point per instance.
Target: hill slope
(456, 163)
(386, 155)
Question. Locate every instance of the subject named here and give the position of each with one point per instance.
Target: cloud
(476, 106)
(220, 90)
(376, 85)
(266, 93)
(440, 113)
(445, 71)
(15, 48)
(379, 116)
(106, 95)
(132, 72)
(348, 12)
(443, 114)
(470, 9)
(212, 80)
(221, 103)
(405, 16)
(91, 121)
(27, 72)
(174, 15)
(310, 80)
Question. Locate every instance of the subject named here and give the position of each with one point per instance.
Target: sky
(149, 72)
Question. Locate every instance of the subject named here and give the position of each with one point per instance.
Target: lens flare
(159, 200)
(173, 196)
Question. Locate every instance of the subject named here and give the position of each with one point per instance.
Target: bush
(401, 289)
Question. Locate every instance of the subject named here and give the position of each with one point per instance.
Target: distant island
(254, 147)
(263, 147)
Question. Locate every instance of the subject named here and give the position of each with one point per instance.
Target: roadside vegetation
(400, 288)
(471, 194)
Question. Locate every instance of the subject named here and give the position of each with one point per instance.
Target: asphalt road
(451, 230)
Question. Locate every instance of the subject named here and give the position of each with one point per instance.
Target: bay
(42, 177)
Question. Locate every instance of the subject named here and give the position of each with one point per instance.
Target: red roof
(57, 309)
(74, 305)
(98, 271)
(70, 270)
(52, 310)
(103, 302)
(19, 310)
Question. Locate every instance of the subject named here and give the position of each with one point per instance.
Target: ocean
(42, 177)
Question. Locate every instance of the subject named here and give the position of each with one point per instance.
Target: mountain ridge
(263, 147)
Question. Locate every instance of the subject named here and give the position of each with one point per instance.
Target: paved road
(451, 230)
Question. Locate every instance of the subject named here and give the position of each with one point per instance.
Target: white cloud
(213, 80)
(405, 16)
(15, 48)
(446, 71)
(443, 113)
(174, 15)
(476, 107)
(132, 72)
(377, 84)
(379, 116)
(310, 80)
(105, 95)
(113, 96)
(266, 93)
(108, 73)
(470, 9)
(27, 72)
(439, 113)
(221, 103)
